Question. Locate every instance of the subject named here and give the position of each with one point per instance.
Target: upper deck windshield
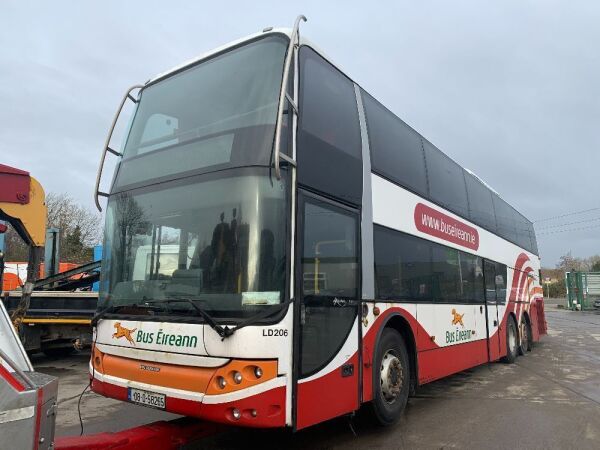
(219, 113)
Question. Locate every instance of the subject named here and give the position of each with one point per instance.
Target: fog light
(237, 377)
(236, 413)
(253, 413)
(258, 372)
(221, 382)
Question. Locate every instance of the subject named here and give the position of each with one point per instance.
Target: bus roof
(267, 31)
(303, 41)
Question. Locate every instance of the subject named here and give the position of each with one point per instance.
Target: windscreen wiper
(114, 308)
(223, 331)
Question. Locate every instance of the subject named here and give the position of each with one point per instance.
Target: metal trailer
(583, 290)
(56, 322)
(28, 399)
(58, 319)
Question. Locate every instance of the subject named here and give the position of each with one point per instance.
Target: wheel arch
(399, 323)
(527, 318)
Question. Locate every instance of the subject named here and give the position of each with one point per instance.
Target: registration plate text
(146, 398)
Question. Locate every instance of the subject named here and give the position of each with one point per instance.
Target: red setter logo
(457, 318)
(123, 332)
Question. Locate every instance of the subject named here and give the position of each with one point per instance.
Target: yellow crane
(23, 205)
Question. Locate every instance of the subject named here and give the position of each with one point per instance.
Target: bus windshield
(219, 242)
(217, 114)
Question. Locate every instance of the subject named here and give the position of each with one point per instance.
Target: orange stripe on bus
(175, 376)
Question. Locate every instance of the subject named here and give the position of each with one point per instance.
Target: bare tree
(592, 263)
(15, 249)
(569, 263)
(79, 228)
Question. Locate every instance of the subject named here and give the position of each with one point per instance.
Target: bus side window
(471, 274)
(446, 181)
(396, 149)
(500, 281)
(481, 208)
(489, 272)
(329, 142)
(402, 266)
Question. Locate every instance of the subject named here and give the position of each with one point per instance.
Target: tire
(391, 378)
(512, 339)
(524, 337)
(530, 337)
(58, 352)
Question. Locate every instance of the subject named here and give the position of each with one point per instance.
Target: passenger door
(327, 332)
(491, 306)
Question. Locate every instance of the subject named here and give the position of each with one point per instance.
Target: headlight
(237, 377)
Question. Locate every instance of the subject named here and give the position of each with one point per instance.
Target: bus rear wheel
(524, 337)
(511, 341)
(391, 378)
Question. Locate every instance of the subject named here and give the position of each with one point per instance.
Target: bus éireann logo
(457, 318)
(123, 332)
(458, 334)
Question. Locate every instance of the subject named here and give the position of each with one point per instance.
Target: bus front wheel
(391, 378)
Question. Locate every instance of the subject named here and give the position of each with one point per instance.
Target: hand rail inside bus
(107, 143)
(283, 95)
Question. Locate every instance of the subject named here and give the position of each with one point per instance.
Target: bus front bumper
(194, 391)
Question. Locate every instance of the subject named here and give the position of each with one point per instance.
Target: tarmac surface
(549, 398)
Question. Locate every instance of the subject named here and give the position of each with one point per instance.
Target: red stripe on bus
(38, 420)
(269, 405)
(327, 397)
(436, 364)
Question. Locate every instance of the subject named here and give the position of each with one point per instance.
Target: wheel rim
(391, 377)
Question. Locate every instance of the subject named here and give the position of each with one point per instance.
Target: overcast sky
(509, 89)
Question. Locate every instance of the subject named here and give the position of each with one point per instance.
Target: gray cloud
(508, 89)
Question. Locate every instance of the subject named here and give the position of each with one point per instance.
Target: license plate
(146, 398)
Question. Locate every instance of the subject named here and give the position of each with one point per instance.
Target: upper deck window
(505, 218)
(216, 114)
(396, 150)
(329, 144)
(446, 181)
(481, 208)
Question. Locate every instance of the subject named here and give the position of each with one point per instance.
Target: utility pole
(547, 283)
(2, 231)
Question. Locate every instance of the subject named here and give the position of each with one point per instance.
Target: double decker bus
(281, 249)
